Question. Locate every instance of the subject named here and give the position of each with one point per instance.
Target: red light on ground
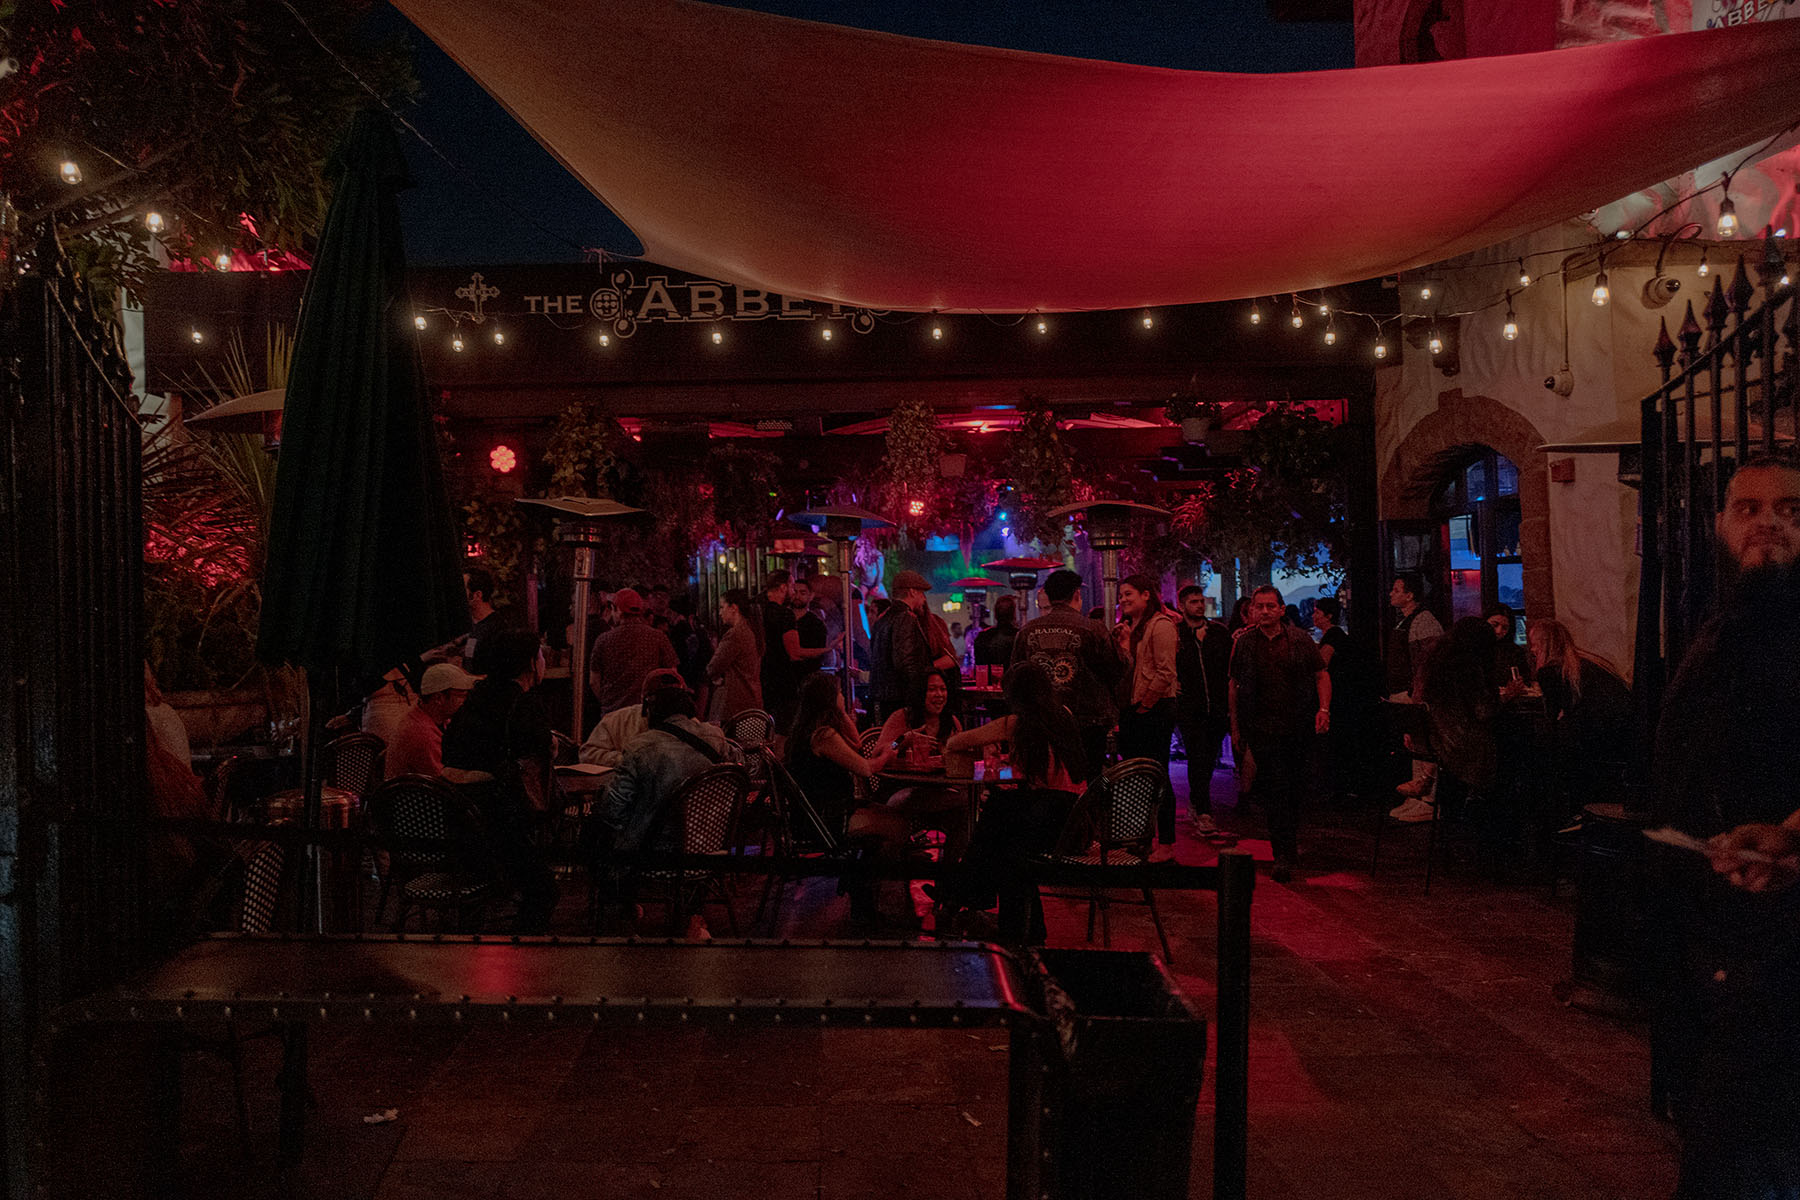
(916, 508)
(502, 459)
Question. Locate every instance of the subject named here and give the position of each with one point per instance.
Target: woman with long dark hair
(1589, 710)
(1147, 711)
(823, 757)
(1025, 819)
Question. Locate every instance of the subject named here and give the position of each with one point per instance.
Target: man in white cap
(417, 747)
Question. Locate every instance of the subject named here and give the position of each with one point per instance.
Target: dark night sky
(509, 201)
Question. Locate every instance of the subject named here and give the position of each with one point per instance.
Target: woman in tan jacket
(736, 666)
(1147, 716)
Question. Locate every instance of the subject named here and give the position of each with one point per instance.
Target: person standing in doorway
(1202, 703)
(1280, 698)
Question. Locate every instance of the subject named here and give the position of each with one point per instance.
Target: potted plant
(1043, 473)
(1195, 416)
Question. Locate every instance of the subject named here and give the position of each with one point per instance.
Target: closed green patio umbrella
(363, 569)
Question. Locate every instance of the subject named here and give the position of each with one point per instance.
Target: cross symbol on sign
(476, 291)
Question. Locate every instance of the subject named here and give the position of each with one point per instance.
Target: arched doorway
(1477, 510)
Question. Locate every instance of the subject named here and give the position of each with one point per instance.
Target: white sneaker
(1415, 809)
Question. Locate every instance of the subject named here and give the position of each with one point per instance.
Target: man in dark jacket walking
(1202, 714)
(1080, 659)
(902, 651)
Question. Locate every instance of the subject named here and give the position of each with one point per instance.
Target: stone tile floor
(1402, 1045)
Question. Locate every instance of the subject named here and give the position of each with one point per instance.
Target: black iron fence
(72, 807)
(1727, 397)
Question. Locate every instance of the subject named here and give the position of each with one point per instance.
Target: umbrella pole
(318, 711)
(578, 653)
(844, 556)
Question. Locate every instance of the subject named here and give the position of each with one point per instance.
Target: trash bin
(1120, 1113)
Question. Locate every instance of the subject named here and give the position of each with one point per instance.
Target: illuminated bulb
(1425, 292)
(499, 338)
(916, 508)
(718, 338)
(1296, 320)
(456, 343)
(71, 174)
(1436, 345)
(197, 336)
(825, 333)
(721, 560)
(1255, 313)
(1510, 330)
(418, 322)
(1331, 337)
(1324, 310)
(1149, 321)
(1524, 275)
(153, 221)
(1728, 221)
(223, 261)
(1703, 270)
(1043, 327)
(937, 333)
(606, 339)
(1380, 349)
(1602, 293)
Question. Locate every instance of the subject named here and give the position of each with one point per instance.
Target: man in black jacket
(1727, 1038)
(902, 651)
(1202, 713)
(1080, 658)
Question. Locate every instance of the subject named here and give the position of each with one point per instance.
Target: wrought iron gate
(71, 685)
(1732, 400)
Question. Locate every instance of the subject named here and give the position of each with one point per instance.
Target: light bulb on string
(1436, 344)
(223, 260)
(605, 340)
(1294, 318)
(1255, 313)
(153, 221)
(1043, 326)
(1149, 321)
(499, 338)
(70, 172)
(1425, 292)
(1602, 294)
(718, 338)
(1703, 271)
(1330, 334)
(825, 334)
(937, 333)
(419, 323)
(1380, 349)
(1324, 309)
(1510, 330)
(1524, 275)
(1728, 218)
(197, 336)
(456, 343)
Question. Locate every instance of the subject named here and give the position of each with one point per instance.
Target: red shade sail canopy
(897, 173)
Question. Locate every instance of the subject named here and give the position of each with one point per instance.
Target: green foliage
(583, 455)
(1284, 509)
(910, 466)
(495, 521)
(1042, 473)
(205, 111)
(745, 491)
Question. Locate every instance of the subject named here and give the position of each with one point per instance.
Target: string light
(1510, 330)
(1524, 275)
(1380, 349)
(1704, 270)
(1425, 292)
(1330, 333)
(825, 334)
(1149, 321)
(1436, 344)
(1255, 313)
(456, 343)
(419, 322)
(499, 338)
(1043, 326)
(1728, 218)
(718, 338)
(937, 333)
(197, 336)
(1295, 319)
(1602, 293)
(153, 221)
(1324, 310)
(223, 260)
(71, 174)
(605, 340)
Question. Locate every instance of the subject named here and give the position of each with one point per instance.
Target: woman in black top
(1590, 714)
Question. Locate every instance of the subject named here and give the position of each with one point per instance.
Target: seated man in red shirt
(418, 745)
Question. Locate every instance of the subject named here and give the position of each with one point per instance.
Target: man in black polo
(1280, 699)
(1727, 1038)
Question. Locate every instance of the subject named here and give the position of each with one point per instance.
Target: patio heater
(1022, 574)
(843, 523)
(578, 521)
(1108, 526)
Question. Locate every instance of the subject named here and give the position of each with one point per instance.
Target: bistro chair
(799, 831)
(427, 809)
(705, 809)
(354, 762)
(1114, 825)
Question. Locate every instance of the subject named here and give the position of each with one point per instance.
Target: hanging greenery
(910, 472)
(1043, 475)
(1284, 509)
(745, 492)
(494, 522)
(583, 455)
